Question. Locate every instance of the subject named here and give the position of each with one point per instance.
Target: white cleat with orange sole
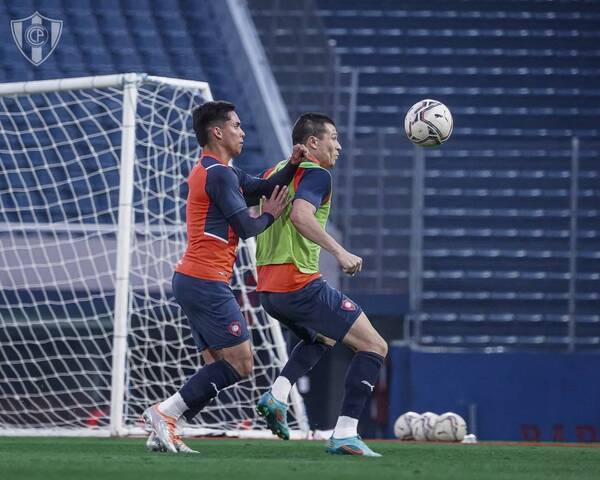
(153, 444)
(163, 426)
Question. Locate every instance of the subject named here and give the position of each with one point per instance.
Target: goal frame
(130, 83)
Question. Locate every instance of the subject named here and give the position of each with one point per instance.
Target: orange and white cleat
(153, 444)
(163, 426)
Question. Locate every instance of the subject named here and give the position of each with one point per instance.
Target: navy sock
(302, 359)
(205, 384)
(360, 381)
(190, 414)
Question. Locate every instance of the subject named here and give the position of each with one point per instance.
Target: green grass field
(114, 459)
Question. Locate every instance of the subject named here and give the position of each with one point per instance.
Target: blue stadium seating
(176, 38)
(520, 77)
(536, 60)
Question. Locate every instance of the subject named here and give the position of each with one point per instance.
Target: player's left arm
(253, 188)
(314, 189)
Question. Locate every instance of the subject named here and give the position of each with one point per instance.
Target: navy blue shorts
(316, 309)
(212, 311)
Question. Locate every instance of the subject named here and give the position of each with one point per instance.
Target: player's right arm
(255, 188)
(223, 188)
(314, 188)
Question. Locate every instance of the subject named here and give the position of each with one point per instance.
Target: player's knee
(246, 368)
(377, 345)
(382, 347)
(243, 365)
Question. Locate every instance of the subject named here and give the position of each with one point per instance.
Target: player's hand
(351, 264)
(299, 154)
(275, 205)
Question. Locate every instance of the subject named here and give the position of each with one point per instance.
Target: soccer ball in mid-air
(402, 428)
(428, 123)
(450, 427)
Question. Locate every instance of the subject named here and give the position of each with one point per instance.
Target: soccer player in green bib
(292, 291)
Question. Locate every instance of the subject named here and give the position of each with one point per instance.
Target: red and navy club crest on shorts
(348, 305)
(235, 328)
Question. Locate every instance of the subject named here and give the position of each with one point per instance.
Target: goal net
(92, 187)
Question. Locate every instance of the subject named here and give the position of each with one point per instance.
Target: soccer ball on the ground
(450, 427)
(418, 429)
(428, 123)
(402, 428)
(423, 426)
(429, 421)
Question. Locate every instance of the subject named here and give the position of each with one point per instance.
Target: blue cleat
(275, 414)
(350, 446)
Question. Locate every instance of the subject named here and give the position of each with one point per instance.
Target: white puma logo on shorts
(215, 387)
(368, 384)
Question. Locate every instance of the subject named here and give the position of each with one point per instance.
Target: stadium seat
(496, 197)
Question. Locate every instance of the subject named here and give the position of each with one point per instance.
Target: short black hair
(207, 115)
(308, 125)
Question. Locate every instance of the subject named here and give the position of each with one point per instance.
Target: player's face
(328, 147)
(233, 135)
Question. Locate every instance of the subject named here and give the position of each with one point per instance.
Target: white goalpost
(92, 220)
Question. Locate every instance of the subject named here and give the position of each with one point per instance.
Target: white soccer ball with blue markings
(450, 427)
(428, 123)
(402, 428)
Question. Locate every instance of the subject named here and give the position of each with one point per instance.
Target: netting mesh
(59, 191)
